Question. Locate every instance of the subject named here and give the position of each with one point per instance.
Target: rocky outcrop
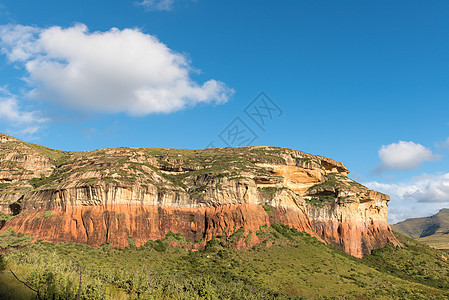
(19, 160)
(135, 194)
(355, 227)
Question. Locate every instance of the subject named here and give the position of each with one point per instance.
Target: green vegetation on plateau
(297, 266)
(126, 166)
(190, 171)
(337, 181)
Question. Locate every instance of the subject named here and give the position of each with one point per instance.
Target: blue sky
(365, 83)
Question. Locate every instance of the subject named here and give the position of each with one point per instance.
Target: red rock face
(97, 225)
(356, 238)
(357, 228)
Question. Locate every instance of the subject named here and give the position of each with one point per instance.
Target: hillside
(433, 230)
(297, 266)
(137, 194)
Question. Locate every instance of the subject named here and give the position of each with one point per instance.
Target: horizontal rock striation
(126, 195)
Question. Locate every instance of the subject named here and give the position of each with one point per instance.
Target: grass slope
(297, 266)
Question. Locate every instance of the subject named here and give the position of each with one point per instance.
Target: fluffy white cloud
(113, 71)
(422, 196)
(23, 122)
(404, 156)
(157, 4)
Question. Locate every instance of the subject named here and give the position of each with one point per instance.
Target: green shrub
(9, 238)
(46, 214)
(41, 181)
(4, 185)
(267, 208)
(269, 190)
(5, 217)
(158, 245)
(2, 263)
(320, 200)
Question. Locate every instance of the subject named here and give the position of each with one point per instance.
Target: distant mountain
(433, 230)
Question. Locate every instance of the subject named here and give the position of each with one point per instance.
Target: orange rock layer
(97, 225)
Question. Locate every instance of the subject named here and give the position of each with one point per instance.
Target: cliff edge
(132, 195)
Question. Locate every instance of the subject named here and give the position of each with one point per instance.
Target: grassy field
(297, 266)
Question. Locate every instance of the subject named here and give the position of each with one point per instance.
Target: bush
(9, 238)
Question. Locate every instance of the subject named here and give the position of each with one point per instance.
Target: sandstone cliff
(135, 194)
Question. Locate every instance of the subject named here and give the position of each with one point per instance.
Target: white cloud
(431, 188)
(157, 4)
(404, 156)
(422, 196)
(395, 191)
(23, 122)
(29, 131)
(113, 71)
(424, 188)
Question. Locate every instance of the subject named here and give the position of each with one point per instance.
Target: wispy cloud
(157, 5)
(114, 71)
(443, 145)
(19, 120)
(5, 15)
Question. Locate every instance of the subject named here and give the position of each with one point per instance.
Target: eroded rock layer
(132, 195)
